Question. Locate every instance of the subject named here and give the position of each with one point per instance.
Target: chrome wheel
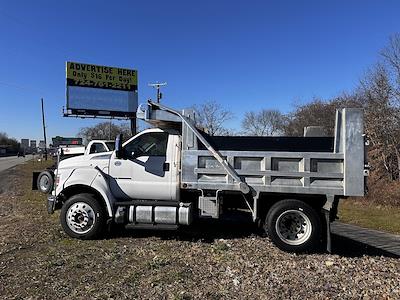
(293, 227)
(80, 217)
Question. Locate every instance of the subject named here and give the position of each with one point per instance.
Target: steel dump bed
(301, 165)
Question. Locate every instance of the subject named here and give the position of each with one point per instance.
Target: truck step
(152, 226)
(148, 203)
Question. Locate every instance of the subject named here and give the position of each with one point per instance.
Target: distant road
(11, 161)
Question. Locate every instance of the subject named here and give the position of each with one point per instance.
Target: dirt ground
(219, 261)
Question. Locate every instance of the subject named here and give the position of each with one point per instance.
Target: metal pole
(44, 132)
(109, 131)
(158, 87)
(133, 126)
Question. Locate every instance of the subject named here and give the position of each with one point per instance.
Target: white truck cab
(99, 146)
(44, 180)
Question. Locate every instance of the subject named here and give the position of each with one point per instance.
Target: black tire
(95, 228)
(293, 226)
(45, 182)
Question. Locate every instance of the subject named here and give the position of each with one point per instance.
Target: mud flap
(328, 231)
(330, 199)
(51, 204)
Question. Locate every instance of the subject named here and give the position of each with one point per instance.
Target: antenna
(158, 86)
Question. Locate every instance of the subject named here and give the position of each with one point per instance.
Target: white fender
(94, 178)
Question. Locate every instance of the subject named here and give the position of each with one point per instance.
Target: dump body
(305, 166)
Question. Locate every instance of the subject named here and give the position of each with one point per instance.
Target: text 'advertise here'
(103, 77)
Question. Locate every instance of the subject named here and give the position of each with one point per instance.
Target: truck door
(145, 172)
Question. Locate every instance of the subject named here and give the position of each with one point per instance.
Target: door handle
(166, 166)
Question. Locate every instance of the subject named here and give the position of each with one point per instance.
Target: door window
(148, 144)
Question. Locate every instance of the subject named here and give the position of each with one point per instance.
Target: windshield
(110, 146)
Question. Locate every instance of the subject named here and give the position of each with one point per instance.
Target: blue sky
(247, 55)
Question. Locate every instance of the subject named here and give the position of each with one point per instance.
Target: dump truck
(175, 174)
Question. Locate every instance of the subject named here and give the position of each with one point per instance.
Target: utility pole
(44, 132)
(109, 130)
(157, 86)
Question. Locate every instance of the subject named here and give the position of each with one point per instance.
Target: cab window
(148, 144)
(97, 148)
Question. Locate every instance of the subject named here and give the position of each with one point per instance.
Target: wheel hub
(80, 217)
(44, 183)
(293, 227)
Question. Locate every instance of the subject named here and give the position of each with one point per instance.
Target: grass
(370, 216)
(34, 165)
(38, 260)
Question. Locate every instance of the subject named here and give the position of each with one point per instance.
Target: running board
(148, 203)
(152, 226)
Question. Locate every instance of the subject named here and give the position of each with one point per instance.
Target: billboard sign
(94, 90)
(66, 141)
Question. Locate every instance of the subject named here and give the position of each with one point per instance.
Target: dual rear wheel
(293, 226)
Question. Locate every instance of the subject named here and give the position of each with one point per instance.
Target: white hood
(96, 159)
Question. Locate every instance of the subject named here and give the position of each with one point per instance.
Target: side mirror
(119, 153)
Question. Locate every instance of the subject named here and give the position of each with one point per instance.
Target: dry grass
(38, 261)
(370, 215)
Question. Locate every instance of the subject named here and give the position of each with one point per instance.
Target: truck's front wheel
(83, 217)
(293, 226)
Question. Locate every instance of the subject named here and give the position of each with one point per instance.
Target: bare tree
(382, 120)
(391, 56)
(318, 113)
(264, 122)
(212, 116)
(105, 131)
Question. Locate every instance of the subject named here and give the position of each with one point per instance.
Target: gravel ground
(222, 261)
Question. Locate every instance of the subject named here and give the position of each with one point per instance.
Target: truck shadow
(209, 232)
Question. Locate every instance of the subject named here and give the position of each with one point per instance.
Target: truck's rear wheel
(293, 226)
(45, 182)
(83, 217)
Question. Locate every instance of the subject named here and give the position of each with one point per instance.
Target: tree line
(11, 144)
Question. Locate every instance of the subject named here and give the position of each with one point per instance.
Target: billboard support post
(133, 126)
